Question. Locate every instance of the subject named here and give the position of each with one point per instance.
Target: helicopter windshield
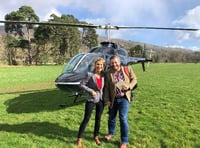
(86, 63)
(72, 63)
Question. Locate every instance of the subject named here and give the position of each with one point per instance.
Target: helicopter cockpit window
(72, 63)
(86, 64)
(121, 52)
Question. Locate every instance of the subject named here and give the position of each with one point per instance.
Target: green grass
(165, 113)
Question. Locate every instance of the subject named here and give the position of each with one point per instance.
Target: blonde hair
(100, 59)
(97, 60)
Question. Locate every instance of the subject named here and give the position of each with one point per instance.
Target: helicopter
(78, 66)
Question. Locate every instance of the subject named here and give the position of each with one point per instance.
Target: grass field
(165, 112)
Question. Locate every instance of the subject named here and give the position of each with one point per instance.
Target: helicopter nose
(69, 81)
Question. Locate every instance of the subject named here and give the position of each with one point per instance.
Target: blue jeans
(121, 104)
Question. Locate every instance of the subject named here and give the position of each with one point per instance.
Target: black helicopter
(79, 65)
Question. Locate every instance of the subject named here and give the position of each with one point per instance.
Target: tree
(11, 45)
(66, 39)
(25, 13)
(136, 51)
(15, 29)
(89, 37)
(42, 36)
(60, 42)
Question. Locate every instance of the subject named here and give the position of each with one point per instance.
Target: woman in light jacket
(93, 84)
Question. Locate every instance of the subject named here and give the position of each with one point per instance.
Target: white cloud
(52, 11)
(42, 8)
(114, 11)
(96, 21)
(130, 12)
(193, 48)
(175, 46)
(190, 20)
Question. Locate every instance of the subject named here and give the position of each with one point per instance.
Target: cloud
(191, 20)
(42, 8)
(50, 12)
(114, 11)
(129, 12)
(193, 48)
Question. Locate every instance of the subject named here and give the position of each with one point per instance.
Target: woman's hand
(94, 93)
(125, 88)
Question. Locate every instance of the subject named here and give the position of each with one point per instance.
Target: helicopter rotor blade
(107, 26)
(158, 28)
(50, 23)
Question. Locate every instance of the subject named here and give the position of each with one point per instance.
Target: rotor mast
(107, 32)
(107, 28)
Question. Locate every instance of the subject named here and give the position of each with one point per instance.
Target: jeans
(89, 106)
(121, 105)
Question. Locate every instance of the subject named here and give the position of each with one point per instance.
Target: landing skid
(76, 95)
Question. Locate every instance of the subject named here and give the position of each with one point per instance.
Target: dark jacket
(89, 84)
(110, 88)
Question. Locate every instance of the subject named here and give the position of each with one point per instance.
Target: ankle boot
(79, 143)
(98, 142)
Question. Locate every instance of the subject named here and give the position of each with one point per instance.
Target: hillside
(159, 53)
(128, 44)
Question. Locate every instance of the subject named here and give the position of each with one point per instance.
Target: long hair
(101, 60)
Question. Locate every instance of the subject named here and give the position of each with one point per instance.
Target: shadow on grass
(37, 101)
(45, 129)
(52, 131)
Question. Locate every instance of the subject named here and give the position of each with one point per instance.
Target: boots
(108, 137)
(98, 142)
(79, 143)
(123, 145)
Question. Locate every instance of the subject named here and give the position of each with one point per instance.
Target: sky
(153, 13)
